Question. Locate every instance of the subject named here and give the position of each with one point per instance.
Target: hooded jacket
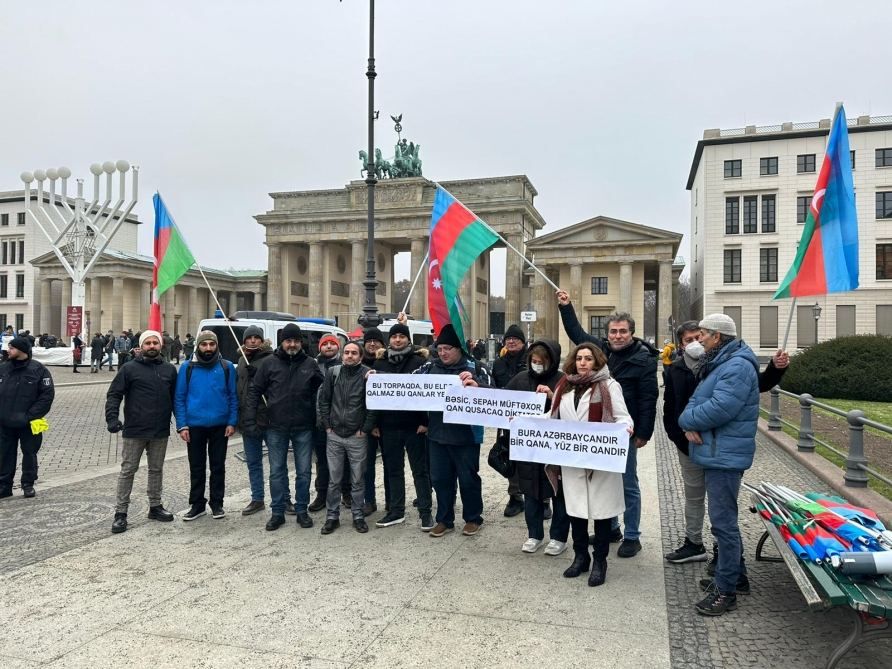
(341, 403)
(460, 435)
(507, 366)
(724, 409)
(147, 387)
(289, 384)
(400, 420)
(206, 395)
(26, 392)
(244, 377)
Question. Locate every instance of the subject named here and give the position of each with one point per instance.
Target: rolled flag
(865, 564)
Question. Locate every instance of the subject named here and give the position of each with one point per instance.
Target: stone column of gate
(576, 287)
(357, 274)
(274, 277)
(193, 315)
(625, 288)
(258, 301)
(66, 302)
(117, 322)
(95, 305)
(513, 268)
(317, 292)
(467, 292)
(541, 302)
(145, 305)
(664, 302)
(46, 308)
(418, 302)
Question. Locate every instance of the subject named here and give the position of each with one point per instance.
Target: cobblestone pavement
(772, 627)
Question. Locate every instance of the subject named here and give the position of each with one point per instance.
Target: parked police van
(271, 322)
(422, 331)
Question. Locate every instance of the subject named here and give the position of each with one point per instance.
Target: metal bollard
(774, 414)
(855, 476)
(806, 433)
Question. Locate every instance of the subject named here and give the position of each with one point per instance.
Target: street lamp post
(816, 310)
(369, 317)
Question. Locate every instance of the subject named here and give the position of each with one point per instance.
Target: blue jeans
(722, 488)
(253, 446)
(448, 463)
(632, 494)
(278, 441)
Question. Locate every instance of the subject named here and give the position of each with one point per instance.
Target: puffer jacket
(206, 394)
(400, 420)
(724, 410)
(26, 393)
(244, 376)
(460, 435)
(289, 385)
(341, 403)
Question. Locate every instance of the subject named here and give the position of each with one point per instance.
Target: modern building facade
(750, 191)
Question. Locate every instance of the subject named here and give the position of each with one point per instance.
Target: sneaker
(28, 491)
(629, 548)
(253, 507)
(742, 588)
(160, 513)
(532, 545)
(713, 561)
(555, 547)
(513, 507)
(120, 523)
(368, 509)
(217, 512)
(716, 602)
(439, 530)
(687, 552)
(427, 522)
(289, 508)
(194, 512)
(331, 524)
(304, 520)
(317, 504)
(360, 525)
(391, 518)
(470, 529)
(274, 523)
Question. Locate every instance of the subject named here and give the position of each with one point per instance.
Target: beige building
(750, 189)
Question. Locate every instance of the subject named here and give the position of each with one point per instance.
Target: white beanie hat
(720, 323)
(149, 333)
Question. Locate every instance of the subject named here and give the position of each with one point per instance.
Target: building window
(884, 319)
(20, 218)
(12, 253)
(4, 286)
(767, 166)
(768, 213)
(735, 314)
(19, 322)
(768, 327)
(3, 253)
(884, 261)
(805, 163)
(805, 326)
(21, 252)
(20, 285)
(733, 168)
(884, 157)
(599, 285)
(750, 213)
(4, 219)
(768, 265)
(598, 326)
(802, 203)
(2, 321)
(732, 266)
(845, 320)
(732, 215)
(852, 158)
(884, 204)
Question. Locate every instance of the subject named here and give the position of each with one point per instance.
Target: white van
(422, 331)
(271, 322)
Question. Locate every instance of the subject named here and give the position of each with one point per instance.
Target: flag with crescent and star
(457, 238)
(827, 257)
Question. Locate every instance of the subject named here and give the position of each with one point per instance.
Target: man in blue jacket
(206, 409)
(720, 425)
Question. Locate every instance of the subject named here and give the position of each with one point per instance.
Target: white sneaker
(555, 547)
(532, 545)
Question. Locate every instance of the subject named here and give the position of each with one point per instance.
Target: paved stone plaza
(220, 593)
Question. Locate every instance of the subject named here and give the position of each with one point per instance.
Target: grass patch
(880, 412)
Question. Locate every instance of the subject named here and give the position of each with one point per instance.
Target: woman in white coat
(587, 393)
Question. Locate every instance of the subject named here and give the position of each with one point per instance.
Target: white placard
(602, 446)
(408, 392)
(490, 407)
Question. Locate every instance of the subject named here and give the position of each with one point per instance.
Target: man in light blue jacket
(720, 425)
(206, 409)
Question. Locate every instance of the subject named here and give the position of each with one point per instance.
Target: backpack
(189, 374)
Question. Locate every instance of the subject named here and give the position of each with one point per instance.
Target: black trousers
(395, 444)
(322, 476)
(10, 438)
(207, 445)
(561, 524)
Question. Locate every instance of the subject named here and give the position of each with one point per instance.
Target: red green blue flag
(457, 239)
(172, 258)
(827, 257)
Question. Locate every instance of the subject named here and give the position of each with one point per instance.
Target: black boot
(317, 504)
(599, 571)
(581, 563)
(120, 523)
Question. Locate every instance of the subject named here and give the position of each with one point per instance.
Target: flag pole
(417, 276)
(789, 323)
(504, 241)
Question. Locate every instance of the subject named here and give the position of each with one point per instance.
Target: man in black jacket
(147, 386)
(372, 342)
(512, 362)
(255, 349)
(633, 364)
(347, 423)
(329, 356)
(403, 432)
(26, 394)
(288, 380)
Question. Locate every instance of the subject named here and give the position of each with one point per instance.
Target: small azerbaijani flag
(457, 239)
(827, 257)
(172, 258)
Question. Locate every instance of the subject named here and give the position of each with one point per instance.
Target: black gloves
(115, 426)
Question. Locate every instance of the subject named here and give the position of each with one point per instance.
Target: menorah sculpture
(80, 235)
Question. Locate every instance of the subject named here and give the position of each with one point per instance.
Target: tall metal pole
(369, 317)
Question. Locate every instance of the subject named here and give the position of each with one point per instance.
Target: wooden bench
(869, 602)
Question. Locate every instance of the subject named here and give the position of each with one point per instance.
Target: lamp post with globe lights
(816, 310)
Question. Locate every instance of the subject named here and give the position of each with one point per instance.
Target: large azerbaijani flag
(172, 258)
(457, 238)
(827, 257)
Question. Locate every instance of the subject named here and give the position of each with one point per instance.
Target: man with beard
(288, 380)
(372, 342)
(147, 386)
(206, 407)
(633, 364)
(329, 356)
(509, 364)
(254, 350)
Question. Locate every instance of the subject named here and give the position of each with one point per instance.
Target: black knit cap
(291, 331)
(448, 337)
(373, 334)
(22, 344)
(515, 331)
(399, 328)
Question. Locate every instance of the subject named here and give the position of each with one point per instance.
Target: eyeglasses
(445, 348)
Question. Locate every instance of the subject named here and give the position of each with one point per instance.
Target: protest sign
(408, 392)
(489, 407)
(602, 446)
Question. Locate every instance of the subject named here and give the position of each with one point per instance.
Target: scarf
(597, 381)
(396, 356)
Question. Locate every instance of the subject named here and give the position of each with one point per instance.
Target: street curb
(830, 474)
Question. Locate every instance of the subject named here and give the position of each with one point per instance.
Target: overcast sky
(599, 103)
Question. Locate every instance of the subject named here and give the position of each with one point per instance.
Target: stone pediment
(603, 230)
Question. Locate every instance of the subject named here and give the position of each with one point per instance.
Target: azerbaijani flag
(457, 238)
(827, 257)
(172, 258)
